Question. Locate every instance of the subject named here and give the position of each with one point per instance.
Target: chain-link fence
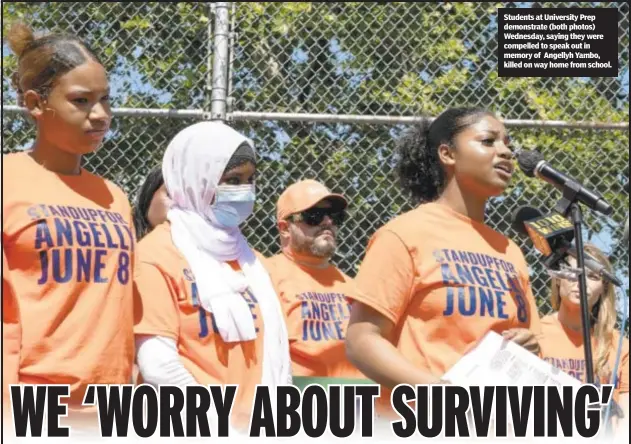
(324, 89)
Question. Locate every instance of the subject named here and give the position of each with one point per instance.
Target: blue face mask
(233, 204)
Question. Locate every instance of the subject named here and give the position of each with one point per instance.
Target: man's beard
(319, 246)
(323, 247)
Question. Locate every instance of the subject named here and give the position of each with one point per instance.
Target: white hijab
(192, 167)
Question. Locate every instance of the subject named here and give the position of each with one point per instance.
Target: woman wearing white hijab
(206, 310)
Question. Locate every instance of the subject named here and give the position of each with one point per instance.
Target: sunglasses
(315, 216)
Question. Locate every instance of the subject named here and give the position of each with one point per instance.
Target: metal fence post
(221, 59)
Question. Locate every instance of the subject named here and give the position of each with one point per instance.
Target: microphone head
(520, 216)
(548, 233)
(528, 161)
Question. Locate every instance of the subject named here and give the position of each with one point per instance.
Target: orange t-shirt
(167, 304)
(316, 307)
(563, 348)
(69, 243)
(10, 336)
(444, 280)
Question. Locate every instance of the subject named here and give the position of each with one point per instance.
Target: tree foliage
(386, 58)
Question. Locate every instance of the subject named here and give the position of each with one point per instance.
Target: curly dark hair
(420, 173)
(146, 192)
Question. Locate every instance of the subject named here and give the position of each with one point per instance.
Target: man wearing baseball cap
(312, 290)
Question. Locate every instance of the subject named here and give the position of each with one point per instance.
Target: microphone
(533, 164)
(549, 233)
(552, 235)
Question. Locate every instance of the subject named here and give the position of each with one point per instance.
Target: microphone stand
(569, 206)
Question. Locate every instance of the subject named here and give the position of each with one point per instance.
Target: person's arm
(369, 349)
(384, 288)
(157, 332)
(156, 328)
(159, 362)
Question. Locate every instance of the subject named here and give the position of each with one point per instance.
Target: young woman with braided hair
(67, 233)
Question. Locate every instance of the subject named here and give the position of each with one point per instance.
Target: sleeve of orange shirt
(154, 305)
(386, 276)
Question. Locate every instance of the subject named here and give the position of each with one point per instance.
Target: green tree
(387, 58)
(411, 59)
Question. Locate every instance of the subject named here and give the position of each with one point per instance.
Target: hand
(523, 337)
